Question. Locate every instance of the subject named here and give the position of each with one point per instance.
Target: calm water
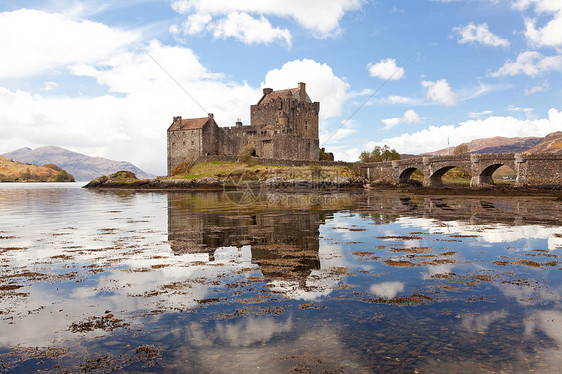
(372, 281)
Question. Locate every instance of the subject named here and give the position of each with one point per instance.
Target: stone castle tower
(283, 126)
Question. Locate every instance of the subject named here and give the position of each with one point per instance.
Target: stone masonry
(283, 126)
(532, 169)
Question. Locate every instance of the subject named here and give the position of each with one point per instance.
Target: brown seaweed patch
(210, 300)
(414, 299)
(147, 353)
(440, 261)
(251, 300)
(444, 276)
(28, 275)
(10, 287)
(415, 250)
(399, 237)
(501, 263)
(9, 249)
(449, 253)
(106, 323)
(159, 266)
(530, 263)
(400, 263)
(365, 255)
(61, 257)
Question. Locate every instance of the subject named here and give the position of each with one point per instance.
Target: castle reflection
(284, 242)
(284, 238)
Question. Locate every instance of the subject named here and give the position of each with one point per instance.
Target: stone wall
(544, 170)
(533, 170)
(183, 145)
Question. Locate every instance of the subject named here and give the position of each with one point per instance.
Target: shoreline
(288, 185)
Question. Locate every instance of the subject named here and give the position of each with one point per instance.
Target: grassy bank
(242, 171)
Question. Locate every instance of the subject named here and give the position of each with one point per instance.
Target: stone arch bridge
(531, 169)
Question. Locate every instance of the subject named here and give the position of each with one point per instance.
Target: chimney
(238, 122)
(211, 116)
(267, 91)
(302, 91)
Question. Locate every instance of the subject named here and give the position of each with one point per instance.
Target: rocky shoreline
(211, 183)
(286, 184)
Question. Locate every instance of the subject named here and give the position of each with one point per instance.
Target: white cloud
(321, 83)
(435, 137)
(333, 136)
(48, 86)
(472, 33)
(321, 17)
(386, 69)
(440, 92)
(481, 322)
(391, 122)
(531, 63)
(249, 30)
(196, 23)
(132, 126)
(410, 117)
(387, 289)
(484, 113)
(34, 42)
(538, 88)
(549, 35)
(396, 99)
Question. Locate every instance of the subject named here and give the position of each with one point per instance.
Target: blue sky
(96, 77)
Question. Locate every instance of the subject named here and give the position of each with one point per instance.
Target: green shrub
(63, 176)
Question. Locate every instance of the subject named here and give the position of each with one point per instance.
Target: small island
(12, 171)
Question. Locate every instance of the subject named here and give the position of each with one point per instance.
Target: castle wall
(210, 142)
(183, 145)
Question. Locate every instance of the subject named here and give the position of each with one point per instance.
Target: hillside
(552, 143)
(12, 171)
(82, 167)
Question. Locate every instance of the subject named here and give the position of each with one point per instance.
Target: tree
(379, 153)
(461, 149)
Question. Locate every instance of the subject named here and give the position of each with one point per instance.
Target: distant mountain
(82, 167)
(13, 171)
(552, 143)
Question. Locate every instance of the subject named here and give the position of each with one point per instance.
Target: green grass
(225, 170)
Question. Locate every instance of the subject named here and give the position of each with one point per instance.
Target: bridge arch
(406, 175)
(436, 179)
(485, 176)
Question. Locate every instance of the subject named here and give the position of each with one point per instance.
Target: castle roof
(189, 124)
(293, 93)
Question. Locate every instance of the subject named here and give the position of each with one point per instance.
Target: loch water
(277, 281)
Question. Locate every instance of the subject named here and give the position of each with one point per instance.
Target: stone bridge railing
(531, 169)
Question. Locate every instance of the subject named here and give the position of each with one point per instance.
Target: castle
(283, 126)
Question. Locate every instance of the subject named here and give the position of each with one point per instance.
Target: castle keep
(283, 126)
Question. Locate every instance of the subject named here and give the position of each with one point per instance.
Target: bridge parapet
(531, 169)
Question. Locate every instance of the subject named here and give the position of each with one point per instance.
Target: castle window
(192, 142)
